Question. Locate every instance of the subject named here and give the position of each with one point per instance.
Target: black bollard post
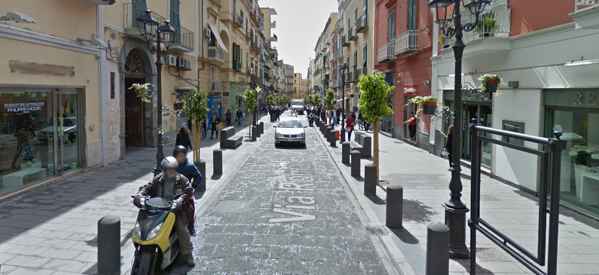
(261, 127)
(109, 245)
(370, 180)
(394, 206)
(333, 138)
(254, 132)
(355, 163)
(217, 163)
(345, 148)
(201, 186)
(437, 249)
(367, 147)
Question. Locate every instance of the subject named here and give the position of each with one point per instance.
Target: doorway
(134, 115)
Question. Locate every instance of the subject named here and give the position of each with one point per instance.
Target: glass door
(68, 124)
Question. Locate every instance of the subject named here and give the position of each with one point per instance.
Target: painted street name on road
(300, 198)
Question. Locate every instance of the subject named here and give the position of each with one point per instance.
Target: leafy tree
(329, 100)
(315, 99)
(374, 105)
(270, 100)
(195, 106)
(250, 96)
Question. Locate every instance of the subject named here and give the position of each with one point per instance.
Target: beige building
(356, 43)
(52, 91)
(323, 72)
(301, 86)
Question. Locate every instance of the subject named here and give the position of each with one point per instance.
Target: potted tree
(329, 102)
(489, 83)
(195, 107)
(250, 97)
(374, 105)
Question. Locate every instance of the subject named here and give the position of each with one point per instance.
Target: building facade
(301, 86)
(323, 73)
(403, 39)
(548, 66)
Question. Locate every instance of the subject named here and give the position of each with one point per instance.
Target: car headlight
(154, 232)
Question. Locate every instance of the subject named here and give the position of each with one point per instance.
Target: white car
(290, 131)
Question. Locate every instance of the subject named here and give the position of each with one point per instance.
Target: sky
(299, 23)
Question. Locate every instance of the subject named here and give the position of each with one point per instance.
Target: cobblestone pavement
(286, 211)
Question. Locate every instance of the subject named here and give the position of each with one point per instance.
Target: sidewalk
(52, 229)
(425, 178)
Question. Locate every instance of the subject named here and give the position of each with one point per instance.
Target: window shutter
(411, 14)
(139, 10)
(175, 20)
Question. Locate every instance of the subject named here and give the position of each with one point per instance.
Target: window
(411, 14)
(365, 57)
(391, 24)
(236, 58)
(175, 19)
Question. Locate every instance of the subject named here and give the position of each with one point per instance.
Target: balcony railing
(406, 42)
(583, 4)
(132, 25)
(238, 22)
(387, 52)
(362, 23)
(216, 53)
(351, 33)
(344, 41)
(183, 40)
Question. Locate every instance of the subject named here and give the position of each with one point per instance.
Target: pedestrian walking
(213, 125)
(183, 139)
(349, 125)
(229, 118)
(205, 128)
(239, 116)
(412, 124)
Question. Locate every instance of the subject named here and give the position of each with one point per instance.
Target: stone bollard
(437, 249)
(394, 206)
(217, 163)
(202, 167)
(254, 132)
(345, 148)
(261, 127)
(333, 138)
(367, 147)
(370, 180)
(109, 245)
(355, 163)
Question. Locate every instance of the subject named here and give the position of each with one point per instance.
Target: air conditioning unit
(171, 60)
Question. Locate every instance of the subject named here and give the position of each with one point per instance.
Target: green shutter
(139, 10)
(176, 20)
(411, 14)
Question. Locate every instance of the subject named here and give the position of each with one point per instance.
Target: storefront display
(574, 116)
(39, 135)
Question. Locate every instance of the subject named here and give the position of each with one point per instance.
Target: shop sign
(25, 107)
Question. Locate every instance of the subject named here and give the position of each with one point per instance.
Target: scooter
(154, 237)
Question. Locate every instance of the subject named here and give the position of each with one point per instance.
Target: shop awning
(219, 41)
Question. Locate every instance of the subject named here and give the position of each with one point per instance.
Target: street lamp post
(343, 115)
(150, 24)
(455, 209)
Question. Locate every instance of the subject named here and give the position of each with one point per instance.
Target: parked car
(298, 106)
(290, 131)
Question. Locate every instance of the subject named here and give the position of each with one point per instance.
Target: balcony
(351, 33)
(491, 35)
(217, 54)
(254, 46)
(357, 73)
(183, 40)
(387, 52)
(132, 26)
(586, 14)
(407, 42)
(362, 24)
(344, 41)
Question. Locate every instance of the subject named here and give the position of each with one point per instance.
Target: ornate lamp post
(455, 210)
(343, 115)
(153, 32)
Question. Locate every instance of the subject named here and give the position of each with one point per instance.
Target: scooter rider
(169, 185)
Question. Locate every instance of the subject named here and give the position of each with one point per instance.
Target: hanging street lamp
(159, 32)
(449, 18)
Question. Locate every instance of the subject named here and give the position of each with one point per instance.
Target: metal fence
(548, 193)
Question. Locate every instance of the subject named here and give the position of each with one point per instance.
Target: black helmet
(179, 149)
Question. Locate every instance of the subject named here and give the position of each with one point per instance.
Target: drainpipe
(102, 78)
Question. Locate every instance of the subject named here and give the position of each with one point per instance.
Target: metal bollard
(437, 249)
(109, 245)
(333, 138)
(254, 132)
(217, 163)
(345, 148)
(261, 127)
(202, 167)
(370, 180)
(355, 163)
(367, 147)
(394, 206)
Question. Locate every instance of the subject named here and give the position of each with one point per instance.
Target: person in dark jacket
(229, 118)
(192, 173)
(183, 139)
(174, 187)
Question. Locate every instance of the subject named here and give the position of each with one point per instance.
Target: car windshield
(291, 124)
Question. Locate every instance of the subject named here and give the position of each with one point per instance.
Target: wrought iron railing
(406, 42)
(216, 53)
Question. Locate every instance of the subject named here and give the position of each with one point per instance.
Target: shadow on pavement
(40, 205)
(376, 199)
(417, 211)
(479, 269)
(405, 236)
